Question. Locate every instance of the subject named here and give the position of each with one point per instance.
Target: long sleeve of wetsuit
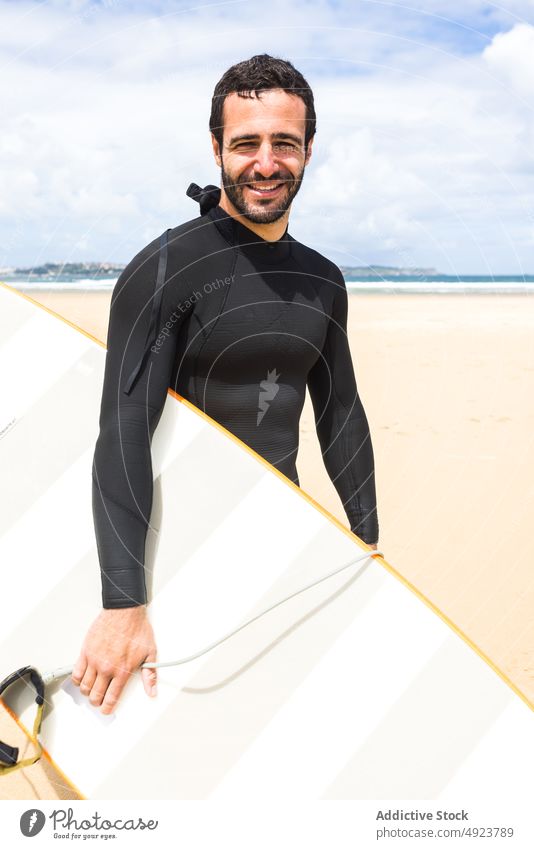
(341, 423)
(122, 485)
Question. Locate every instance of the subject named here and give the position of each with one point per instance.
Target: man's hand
(117, 643)
(373, 545)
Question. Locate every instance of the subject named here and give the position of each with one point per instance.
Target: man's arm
(122, 464)
(121, 638)
(341, 423)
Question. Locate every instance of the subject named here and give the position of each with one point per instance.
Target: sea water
(394, 285)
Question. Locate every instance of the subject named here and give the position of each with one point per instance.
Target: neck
(271, 232)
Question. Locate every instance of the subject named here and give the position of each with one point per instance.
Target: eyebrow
(273, 136)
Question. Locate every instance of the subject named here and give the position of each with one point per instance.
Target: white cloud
(433, 167)
(422, 151)
(511, 56)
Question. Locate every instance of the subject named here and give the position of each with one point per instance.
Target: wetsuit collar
(235, 233)
(250, 243)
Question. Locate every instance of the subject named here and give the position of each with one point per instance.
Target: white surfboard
(356, 689)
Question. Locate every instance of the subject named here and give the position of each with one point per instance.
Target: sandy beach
(447, 382)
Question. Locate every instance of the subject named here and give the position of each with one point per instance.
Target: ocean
(397, 285)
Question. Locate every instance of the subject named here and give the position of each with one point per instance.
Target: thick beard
(261, 214)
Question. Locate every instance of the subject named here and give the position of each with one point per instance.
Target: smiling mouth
(264, 189)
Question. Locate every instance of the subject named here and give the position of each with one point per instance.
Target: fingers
(84, 675)
(115, 647)
(106, 691)
(149, 681)
(150, 676)
(98, 689)
(109, 682)
(88, 680)
(79, 669)
(112, 695)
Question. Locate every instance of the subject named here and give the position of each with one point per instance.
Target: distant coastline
(70, 270)
(55, 271)
(366, 279)
(385, 272)
(103, 270)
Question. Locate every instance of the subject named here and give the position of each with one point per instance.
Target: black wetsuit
(239, 327)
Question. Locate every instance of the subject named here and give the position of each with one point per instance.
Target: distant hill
(95, 270)
(102, 270)
(378, 272)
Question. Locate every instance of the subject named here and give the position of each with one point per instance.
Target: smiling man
(239, 318)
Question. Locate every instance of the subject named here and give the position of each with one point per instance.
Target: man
(240, 305)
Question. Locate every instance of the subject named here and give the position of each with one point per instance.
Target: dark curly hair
(260, 73)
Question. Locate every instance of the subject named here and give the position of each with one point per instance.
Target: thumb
(150, 676)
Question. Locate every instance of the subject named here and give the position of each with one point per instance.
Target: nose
(265, 160)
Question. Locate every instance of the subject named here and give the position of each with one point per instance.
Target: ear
(216, 150)
(309, 150)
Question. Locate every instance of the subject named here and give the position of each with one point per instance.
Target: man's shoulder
(186, 243)
(191, 232)
(315, 262)
(190, 236)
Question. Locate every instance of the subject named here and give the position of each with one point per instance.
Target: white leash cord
(63, 671)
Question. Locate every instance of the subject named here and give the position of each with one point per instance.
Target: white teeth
(265, 188)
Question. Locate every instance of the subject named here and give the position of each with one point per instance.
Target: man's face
(263, 158)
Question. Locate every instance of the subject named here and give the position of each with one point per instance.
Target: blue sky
(424, 135)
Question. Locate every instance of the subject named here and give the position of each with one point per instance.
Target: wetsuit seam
(213, 325)
(142, 406)
(345, 448)
(355, 497)
(109, 497)
(317, 288)
(315, 285)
